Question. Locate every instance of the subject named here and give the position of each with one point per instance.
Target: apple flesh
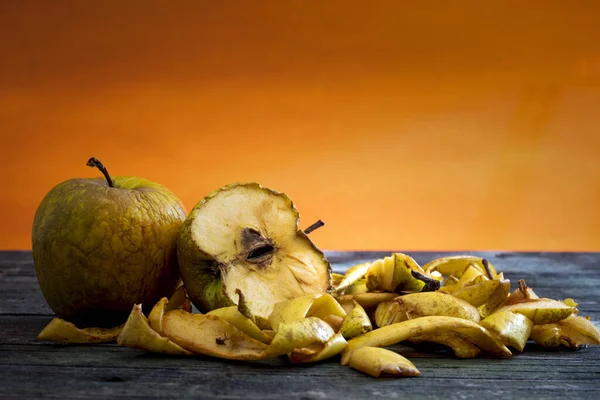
(245, 237)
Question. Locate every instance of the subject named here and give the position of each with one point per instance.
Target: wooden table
(29, 368)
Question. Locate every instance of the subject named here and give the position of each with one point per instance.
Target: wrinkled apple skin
(98, 250)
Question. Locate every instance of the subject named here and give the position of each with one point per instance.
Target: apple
(245, 238)
(102, 245)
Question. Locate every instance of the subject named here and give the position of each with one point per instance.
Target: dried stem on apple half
(314, 227)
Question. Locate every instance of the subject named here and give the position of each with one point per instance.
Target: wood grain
(31, 369)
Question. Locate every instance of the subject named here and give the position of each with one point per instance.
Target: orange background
(452, 125)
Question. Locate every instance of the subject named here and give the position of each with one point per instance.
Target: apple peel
(456, 265)
(336, 278)
(334, 321)
(395, 333)
(573, 332)
(356, 323)
(541, 311)
(399, 273)
(513, 329)
(425, 304)
(325, 306)
(156, 315)
(297, 334)
(521, 295)
(375, 361)
(291, 310)
(366, 300)
(462, 348)
(232, 315)
(477, 294)
(496, 298)
(352, 275)
(179, 300)
(138, 334)
(210, 335)
(227, 333)
(332, 347)
(60, 330)
(360, 286)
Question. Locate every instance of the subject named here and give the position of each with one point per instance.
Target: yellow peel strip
(59, 330)
(395, 333)
(138, 334)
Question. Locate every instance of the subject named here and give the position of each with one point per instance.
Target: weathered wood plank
(115, 372)
(326, 380)
(556, 275)
(102, 354)
(18, 297)
(29, 368)
(16, 263)
(21, 329)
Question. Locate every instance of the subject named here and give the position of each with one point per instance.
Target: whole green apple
(102, 245)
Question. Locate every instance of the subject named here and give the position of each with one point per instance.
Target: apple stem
(522, 286)
(94, 162)
(314, 227)
(431, 285)
(486, 264)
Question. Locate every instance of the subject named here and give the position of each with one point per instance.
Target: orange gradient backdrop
(452, 125)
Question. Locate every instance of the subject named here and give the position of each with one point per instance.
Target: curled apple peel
(226, 333)
(59, 330)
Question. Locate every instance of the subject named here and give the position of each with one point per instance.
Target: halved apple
(244, 236)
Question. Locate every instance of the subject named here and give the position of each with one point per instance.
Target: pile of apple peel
(461, 302)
